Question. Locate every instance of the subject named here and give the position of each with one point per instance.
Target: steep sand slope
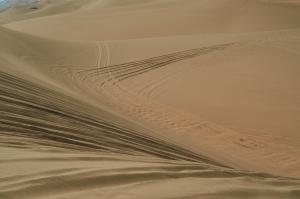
(62, 138)
(202, 95)
(251, 87)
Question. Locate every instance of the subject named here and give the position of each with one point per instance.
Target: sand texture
(143, 99)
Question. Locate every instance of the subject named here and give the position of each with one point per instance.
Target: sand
(150, 99)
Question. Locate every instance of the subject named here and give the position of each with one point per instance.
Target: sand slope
(152, 98)
(175, 18)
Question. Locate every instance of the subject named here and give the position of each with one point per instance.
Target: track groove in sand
(127, 70)
(114, 93)
(38, 120)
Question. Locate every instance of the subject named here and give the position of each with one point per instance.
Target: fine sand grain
(150, 99)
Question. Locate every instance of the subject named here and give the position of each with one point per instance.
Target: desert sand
(150, 99)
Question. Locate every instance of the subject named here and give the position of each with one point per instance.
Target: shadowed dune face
(195, 99)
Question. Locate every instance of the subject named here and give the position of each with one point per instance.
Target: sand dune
(175, 18)
(150, 99)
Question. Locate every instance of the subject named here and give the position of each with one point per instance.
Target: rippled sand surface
(150, 99)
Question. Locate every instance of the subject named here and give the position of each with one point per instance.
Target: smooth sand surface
(150, 99)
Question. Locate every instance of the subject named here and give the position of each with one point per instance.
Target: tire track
(128, 70)
(111, 153)
(52, 119)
